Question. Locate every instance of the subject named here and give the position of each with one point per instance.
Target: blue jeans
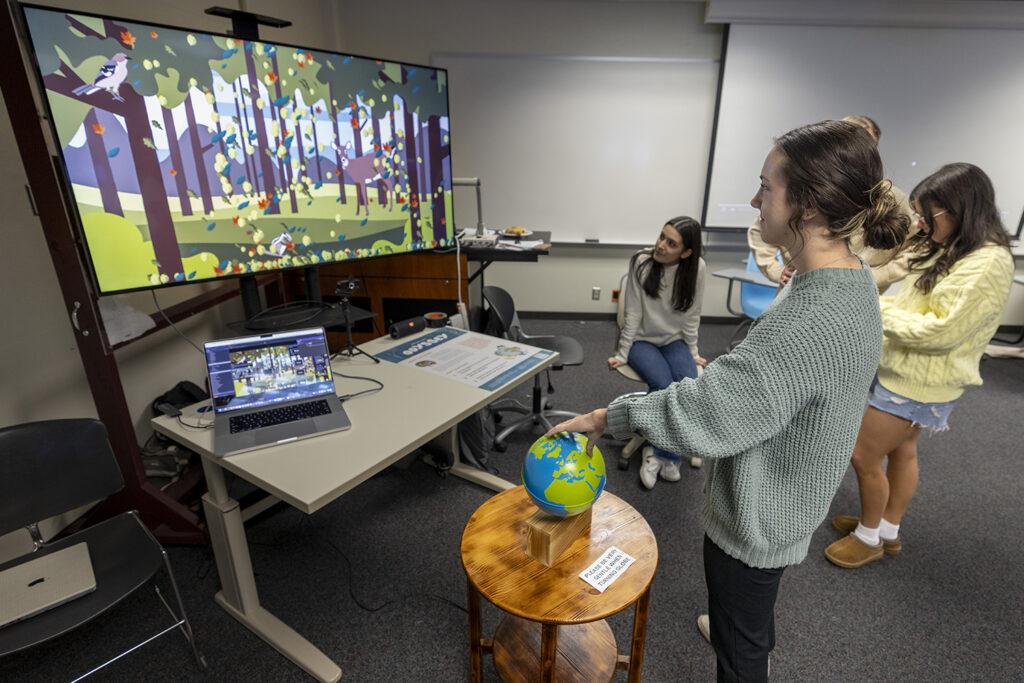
(660, 366)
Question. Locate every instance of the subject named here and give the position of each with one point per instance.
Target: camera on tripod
(345, 288)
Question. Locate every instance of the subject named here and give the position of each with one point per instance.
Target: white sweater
(655, 320)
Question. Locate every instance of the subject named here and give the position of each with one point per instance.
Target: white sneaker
(704, 626)
(670, 470)
(650, 467)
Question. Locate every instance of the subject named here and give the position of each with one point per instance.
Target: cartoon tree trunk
(176, 163)
(197, 153)
(316, 151)
(437, 176)
(243, 131)
(412, 168)
(266, 166)
(338, 147)
(378, 145)
(154, 197)
(286, 166)
(101, 164)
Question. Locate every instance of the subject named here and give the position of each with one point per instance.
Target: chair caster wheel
(623, 463)
(500, 447)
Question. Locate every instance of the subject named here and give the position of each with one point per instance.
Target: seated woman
(663, 297)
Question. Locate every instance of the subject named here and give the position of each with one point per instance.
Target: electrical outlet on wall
(595, 293)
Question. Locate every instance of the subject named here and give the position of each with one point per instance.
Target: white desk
(414, 407)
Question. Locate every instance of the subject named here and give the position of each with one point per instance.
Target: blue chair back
(754, 298)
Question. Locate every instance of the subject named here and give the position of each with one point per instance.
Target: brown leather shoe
(845, 524)
(851, 552)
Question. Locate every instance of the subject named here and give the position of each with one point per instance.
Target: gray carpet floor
(375, 579)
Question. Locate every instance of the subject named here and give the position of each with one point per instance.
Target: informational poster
(477, 359)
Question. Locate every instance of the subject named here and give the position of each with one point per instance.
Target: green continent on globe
(575, 479)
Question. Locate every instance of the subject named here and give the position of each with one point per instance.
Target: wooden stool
(574, 643)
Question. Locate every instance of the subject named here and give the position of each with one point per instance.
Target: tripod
(344, 290)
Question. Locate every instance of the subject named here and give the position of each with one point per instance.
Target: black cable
(208, 425)
(173, 326)
(380, 385)
(392, 601)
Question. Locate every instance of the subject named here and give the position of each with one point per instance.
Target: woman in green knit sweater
(776, 419)
(936, 329)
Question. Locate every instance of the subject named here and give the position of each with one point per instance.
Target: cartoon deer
(364, 169)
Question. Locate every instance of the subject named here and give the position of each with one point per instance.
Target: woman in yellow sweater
(936, 329)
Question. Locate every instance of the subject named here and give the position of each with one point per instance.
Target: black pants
(741, 604)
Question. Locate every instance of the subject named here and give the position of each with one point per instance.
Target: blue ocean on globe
(560, 477)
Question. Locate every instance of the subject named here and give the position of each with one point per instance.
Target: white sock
(888, 531)
(866, 535)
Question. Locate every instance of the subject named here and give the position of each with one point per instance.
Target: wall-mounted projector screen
(939, 96)
(586, 147)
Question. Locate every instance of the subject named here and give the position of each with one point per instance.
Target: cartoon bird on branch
(110, 77)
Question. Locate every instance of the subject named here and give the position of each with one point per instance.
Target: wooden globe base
(547, 536)
(584, 652)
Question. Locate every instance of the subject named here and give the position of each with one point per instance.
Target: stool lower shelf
(584, 652)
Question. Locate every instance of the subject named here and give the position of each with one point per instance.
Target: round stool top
(495, 559)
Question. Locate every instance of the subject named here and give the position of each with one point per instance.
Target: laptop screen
(266, 369)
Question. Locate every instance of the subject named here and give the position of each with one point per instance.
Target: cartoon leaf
(98, 128)
(156, 124)
(148, 143)
(191, 194)
(170, 51)
(113, 153)
(211, 226)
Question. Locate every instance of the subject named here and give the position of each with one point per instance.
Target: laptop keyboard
(276, 416)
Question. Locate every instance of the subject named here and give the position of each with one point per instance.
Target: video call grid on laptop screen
(264, 370)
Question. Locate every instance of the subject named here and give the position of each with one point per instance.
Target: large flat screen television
(193, 156)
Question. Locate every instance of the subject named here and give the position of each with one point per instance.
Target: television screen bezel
(64, 177)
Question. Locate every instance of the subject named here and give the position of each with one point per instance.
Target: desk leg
(450, 441)
(238, 594)
(636, 654)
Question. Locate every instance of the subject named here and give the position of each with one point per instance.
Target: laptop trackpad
(288, 430)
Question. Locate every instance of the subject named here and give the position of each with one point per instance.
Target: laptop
(45, 582)
(270, 389)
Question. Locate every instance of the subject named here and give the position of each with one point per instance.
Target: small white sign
(607, 568)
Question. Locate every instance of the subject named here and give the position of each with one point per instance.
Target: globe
(560, 477)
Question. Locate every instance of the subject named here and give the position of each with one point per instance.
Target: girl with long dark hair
(663, 296)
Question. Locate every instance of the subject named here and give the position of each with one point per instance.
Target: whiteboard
(588, 148)
(939, 96)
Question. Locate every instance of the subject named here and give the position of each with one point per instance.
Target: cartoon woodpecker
(110, 77)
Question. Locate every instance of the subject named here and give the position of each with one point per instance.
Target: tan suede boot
(845, 524)
(851, 552)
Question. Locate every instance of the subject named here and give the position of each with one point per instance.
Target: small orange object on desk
(554, 626)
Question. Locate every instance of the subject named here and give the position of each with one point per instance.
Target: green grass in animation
(124, 259)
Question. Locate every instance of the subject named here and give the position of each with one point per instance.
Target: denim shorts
(931, 416)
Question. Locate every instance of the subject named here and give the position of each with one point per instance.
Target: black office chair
(48, 468)
(570, 352)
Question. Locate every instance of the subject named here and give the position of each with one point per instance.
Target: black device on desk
(272, 388)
